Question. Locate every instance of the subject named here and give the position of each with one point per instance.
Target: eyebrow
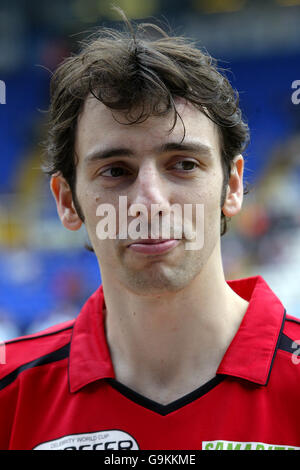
(195, 147)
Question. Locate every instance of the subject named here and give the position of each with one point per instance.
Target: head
(129, 85)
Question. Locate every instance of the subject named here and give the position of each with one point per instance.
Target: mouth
(153, 246)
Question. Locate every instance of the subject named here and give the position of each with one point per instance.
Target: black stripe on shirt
(277, 345)
(41, 334)
(171, 407)
(54, 356)
(289, 345)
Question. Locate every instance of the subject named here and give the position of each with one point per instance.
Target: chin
(158, 281)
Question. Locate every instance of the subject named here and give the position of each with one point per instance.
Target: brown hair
(144, 68)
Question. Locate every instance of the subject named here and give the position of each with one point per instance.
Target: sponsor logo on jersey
(237, 445)
(112, 439)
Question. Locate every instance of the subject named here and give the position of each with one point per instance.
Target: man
(166, 354)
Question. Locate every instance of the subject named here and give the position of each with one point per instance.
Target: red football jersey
(58, 390)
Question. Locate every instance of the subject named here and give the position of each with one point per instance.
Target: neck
(162, 340)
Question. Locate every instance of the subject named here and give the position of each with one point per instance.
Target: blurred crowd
(265, 237)
(43, 288)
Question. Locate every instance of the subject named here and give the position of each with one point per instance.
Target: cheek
(209, 197)
(101, 216)
(211, 200)
(91, 203)
(89, 200)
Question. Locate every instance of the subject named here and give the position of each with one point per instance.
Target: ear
(235, 189)
(64, 203)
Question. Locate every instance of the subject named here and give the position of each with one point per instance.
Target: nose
(149, 191)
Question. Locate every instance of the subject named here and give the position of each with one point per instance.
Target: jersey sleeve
(8, 405)
(17, 358)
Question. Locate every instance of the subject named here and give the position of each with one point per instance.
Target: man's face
(137, 161)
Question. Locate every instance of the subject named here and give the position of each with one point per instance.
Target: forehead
(100, 127)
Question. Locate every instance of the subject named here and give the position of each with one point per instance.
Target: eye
(114, 172)
(186, 165)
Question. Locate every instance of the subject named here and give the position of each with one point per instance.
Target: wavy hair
(144, 68)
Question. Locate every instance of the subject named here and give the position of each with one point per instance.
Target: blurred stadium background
(45, 272)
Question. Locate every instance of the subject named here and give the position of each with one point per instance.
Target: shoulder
(35, 349)
(290, 331)
(292, 324)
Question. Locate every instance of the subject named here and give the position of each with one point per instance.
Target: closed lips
(152, 240)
